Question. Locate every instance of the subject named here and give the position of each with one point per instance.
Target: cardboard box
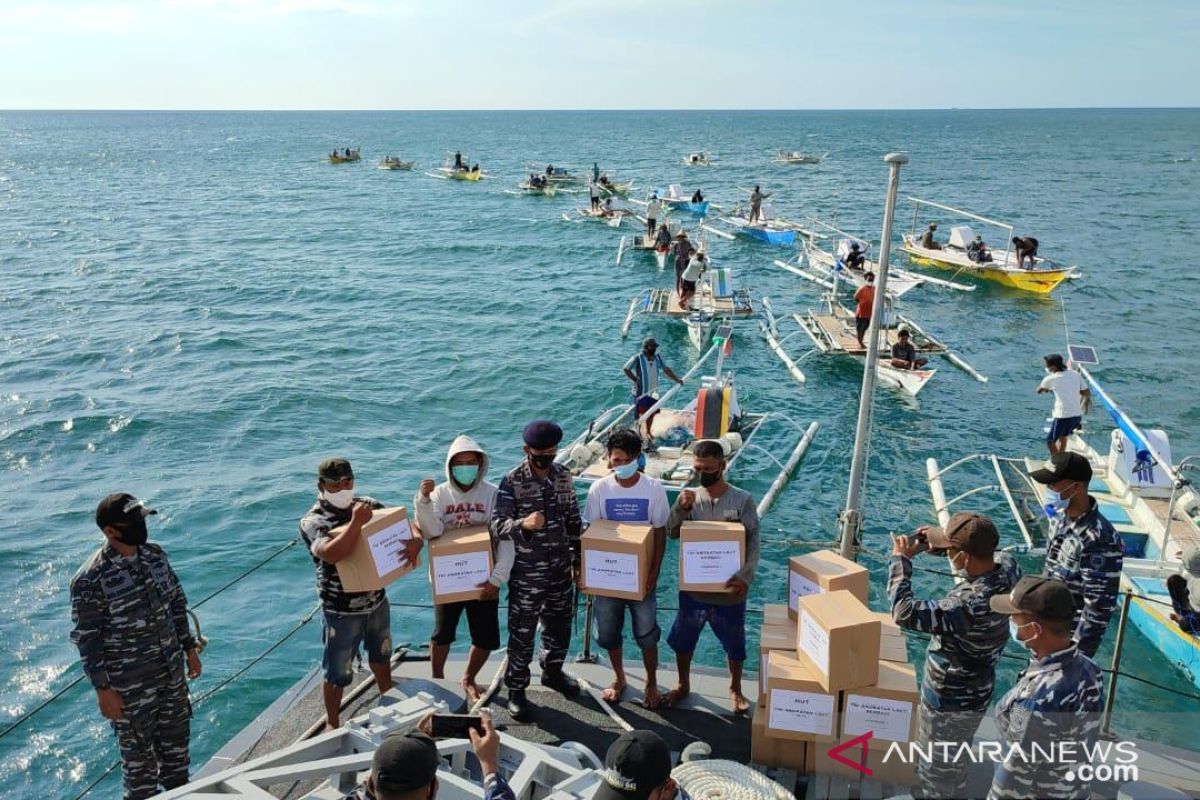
(825, 571)
(710, 553)
(768, 751)
(776, 614)
(616, 559)
(838, 638)
(773, 637)
(888, 708)
(893, 648)
(890, 771)
(378, 556)
(798, 707)
(459, 560)
(887, 626)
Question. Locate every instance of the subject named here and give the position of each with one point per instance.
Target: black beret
(542, 434)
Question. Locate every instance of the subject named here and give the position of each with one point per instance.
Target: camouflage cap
(334, 470)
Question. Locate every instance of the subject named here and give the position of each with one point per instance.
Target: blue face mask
(464, 474)
(626, 471)
(1014, 628)
(1056, 503)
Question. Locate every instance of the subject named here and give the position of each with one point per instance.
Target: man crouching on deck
(725, 612)
(331, 529)
(465, 499)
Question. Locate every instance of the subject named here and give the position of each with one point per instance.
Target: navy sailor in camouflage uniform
(1056, 701)
(536, 509)
(131, 627)
(331, 529)
(1085, 552)
(967, 636)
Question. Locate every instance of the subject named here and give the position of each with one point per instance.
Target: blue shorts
(1064, 427)
(608, 621)
(727, 622)
(345, 632)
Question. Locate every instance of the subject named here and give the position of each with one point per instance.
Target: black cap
(335, 470)
(649, 341)
(1064, 467)
(542, 434)
(1055, 360)
(967, 531)
(117, 509)
(1045, 598)
(404, 762)
(637, 763)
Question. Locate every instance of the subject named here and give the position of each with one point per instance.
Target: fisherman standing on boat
(595, 172)
(697, 264)
(626, 495)
(131, 627)
(1057, 699)
(697, 197)
(967, 636)
(458, 162)
(465, 499)
(927, 240)
(331, 529)
(643, 369)
(662, 240)
(680, 252)
(1084, 551)
(594, 194)
(537, 511)
(653, 208)
(724, 612)
(864, 298)
(1026, 248)
(756, 198)
(1072, 399)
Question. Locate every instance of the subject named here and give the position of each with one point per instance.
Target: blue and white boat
(1146, 497)
(676, 199)
(764, 229)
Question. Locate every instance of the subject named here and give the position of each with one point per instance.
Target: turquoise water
(196, 308)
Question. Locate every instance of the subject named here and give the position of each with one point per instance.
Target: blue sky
(501, 54)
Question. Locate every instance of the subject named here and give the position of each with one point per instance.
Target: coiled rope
(719, 779)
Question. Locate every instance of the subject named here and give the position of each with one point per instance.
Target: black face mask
(541, 460)
(134, 532)
(708, 479)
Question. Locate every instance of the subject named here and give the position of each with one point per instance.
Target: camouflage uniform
(131, 628)
(1086, 554)
(315, 525)
(1057, 699)
(960, 664)
(541, 584)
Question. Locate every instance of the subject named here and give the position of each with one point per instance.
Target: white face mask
(341, 499)
(957, 571)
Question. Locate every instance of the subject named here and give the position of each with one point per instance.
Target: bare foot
(651, 698)
(613, 693)
(471, 688)
(675, 696)
(739, 703)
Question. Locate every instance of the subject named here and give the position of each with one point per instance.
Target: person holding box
(725, 612)
(465, 499)
(627, 495)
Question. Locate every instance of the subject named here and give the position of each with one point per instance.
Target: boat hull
(1154, 621)
(778, 238)
(696, 209)
(464, 176)
(1037, 281)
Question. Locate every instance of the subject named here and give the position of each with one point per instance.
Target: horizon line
(588, 110)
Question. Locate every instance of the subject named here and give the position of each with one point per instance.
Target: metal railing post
(1115, 667)
(587, 657)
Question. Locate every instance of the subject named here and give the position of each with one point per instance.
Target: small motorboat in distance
(345, 156)
(393, 162)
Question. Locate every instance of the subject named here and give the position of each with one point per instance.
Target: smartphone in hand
(455, 726)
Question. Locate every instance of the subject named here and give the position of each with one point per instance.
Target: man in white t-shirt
(1072, 399)
(627, 495)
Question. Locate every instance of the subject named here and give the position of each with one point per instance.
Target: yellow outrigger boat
(1042, 278)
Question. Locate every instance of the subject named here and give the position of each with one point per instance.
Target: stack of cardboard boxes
(832, 672)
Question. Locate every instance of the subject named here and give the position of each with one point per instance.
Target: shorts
(643, 404)
(728, 623)
(608, 621)
(689, 287)
(861, 325)
(483, 620)
(1062, 427)
(345, 632)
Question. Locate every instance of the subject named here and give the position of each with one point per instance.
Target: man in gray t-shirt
(724, 612)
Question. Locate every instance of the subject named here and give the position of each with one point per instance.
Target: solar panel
(1083, 354)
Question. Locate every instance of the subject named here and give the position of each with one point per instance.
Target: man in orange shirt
(865, 298)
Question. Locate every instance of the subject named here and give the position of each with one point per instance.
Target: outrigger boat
(553, 174)
(529, 187)
(611, 188)
(765, 229)
(613, 216)
(648, 244)
(716, 300)
(448, 171)
(833, 332)
(674, 198)
(713, 414)
(1043, 278)
(701, 159)
(1146, 496)
(393, 162)
(798, 157)
(346, 156)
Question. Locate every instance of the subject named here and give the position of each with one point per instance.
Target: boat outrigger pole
(851, 518)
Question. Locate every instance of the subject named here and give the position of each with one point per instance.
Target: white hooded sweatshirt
(449, 506)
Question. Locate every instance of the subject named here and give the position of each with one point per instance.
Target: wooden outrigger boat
(611, 188)
(717, 300)
(1003, 269)
(647, 244)
(543, 189)
(613, 216)
(798, 157)
(701, 159)
(346, 156)
(393, 162)
(674, 198)
(832, 332)
(448, 171)
(683, 426)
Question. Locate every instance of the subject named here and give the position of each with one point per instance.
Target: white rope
(600, 701)
(492, 687)
(718, 779)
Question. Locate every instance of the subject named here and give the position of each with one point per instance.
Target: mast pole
(851, 518)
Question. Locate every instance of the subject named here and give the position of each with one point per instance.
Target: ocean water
(195, 307)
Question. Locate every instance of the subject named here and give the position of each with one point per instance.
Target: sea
(198, 308)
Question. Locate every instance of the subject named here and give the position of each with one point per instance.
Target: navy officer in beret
(536, 509)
